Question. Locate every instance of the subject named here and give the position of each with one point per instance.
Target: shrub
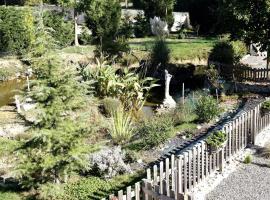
(156, 130)
(132, 89)
(63, 30)
(185, 113)
(102, 17)
(216, 139)
(109, 162)
(126, 27)
(85, 37)
(266, 105)
(228, 53)
(206, 108)
(248, 159)
(141, 26)
(16, 29)
(111, 105)
(113, 49)
(121, 129)
(87, 188)
(160, 55)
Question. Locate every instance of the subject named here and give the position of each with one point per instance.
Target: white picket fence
(176, 176)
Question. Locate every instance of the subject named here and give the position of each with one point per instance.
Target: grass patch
(181, 49)
(79, 49)
(10, 196)
(8, 146)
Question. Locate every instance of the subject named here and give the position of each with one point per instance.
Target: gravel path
(248, 182)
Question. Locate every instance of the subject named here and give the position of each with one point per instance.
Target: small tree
(57, 147)
(102, 17)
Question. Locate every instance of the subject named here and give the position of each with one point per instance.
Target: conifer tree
(57, 148)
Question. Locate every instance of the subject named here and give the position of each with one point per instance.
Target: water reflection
(8, 89)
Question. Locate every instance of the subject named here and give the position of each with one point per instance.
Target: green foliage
(159, 8)
(213, 77)
(63, 30)
(130, 88)
(141, 26)
(10, 196)
(157, 130)
(88, 188)
(248, 20)
(121, 129)
(185, 113)
(111, 105)
(206, 108)
(228, 52)
(216, 139)
(126, 27)
(113, 49)
(8, 146)
(7, 73)
(85, 37)
(57, 148)
(16, 29)
(44, 41)
(248, 159)
(160, 54)
(266, 105)
(102, 17)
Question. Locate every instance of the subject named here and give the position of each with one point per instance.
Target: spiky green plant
(121, 129)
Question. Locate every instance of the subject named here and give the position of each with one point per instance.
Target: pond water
(8, 89)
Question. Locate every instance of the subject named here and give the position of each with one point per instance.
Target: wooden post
(199, 162)
(161, 177)
(194, 166)
(137, 191)
(128, 193)
(179, 186)
(221, 160)
(185, 172)
(167, 176)
(173, 170)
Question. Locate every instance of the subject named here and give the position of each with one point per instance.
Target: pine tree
(57, 148)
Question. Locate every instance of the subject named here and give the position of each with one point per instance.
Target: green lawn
(181, 49)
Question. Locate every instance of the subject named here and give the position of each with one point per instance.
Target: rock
(184, 137)
(199, 127)
(27, 106)
(140, 161)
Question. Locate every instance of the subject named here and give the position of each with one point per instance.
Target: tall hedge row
(16, 29)
(18, 24)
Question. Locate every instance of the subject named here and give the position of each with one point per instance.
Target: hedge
(63, 29)
(16, 29)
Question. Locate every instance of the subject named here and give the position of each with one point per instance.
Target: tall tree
(160, 8)
(251, 21)
(102, 17)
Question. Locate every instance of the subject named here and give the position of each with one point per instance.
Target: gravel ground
(248, 182)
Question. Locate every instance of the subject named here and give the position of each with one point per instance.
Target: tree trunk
(126, 3)
(76, 41)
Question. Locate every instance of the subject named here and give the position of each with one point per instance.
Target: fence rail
(242, 73)
(176, 176)
(251, 74)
